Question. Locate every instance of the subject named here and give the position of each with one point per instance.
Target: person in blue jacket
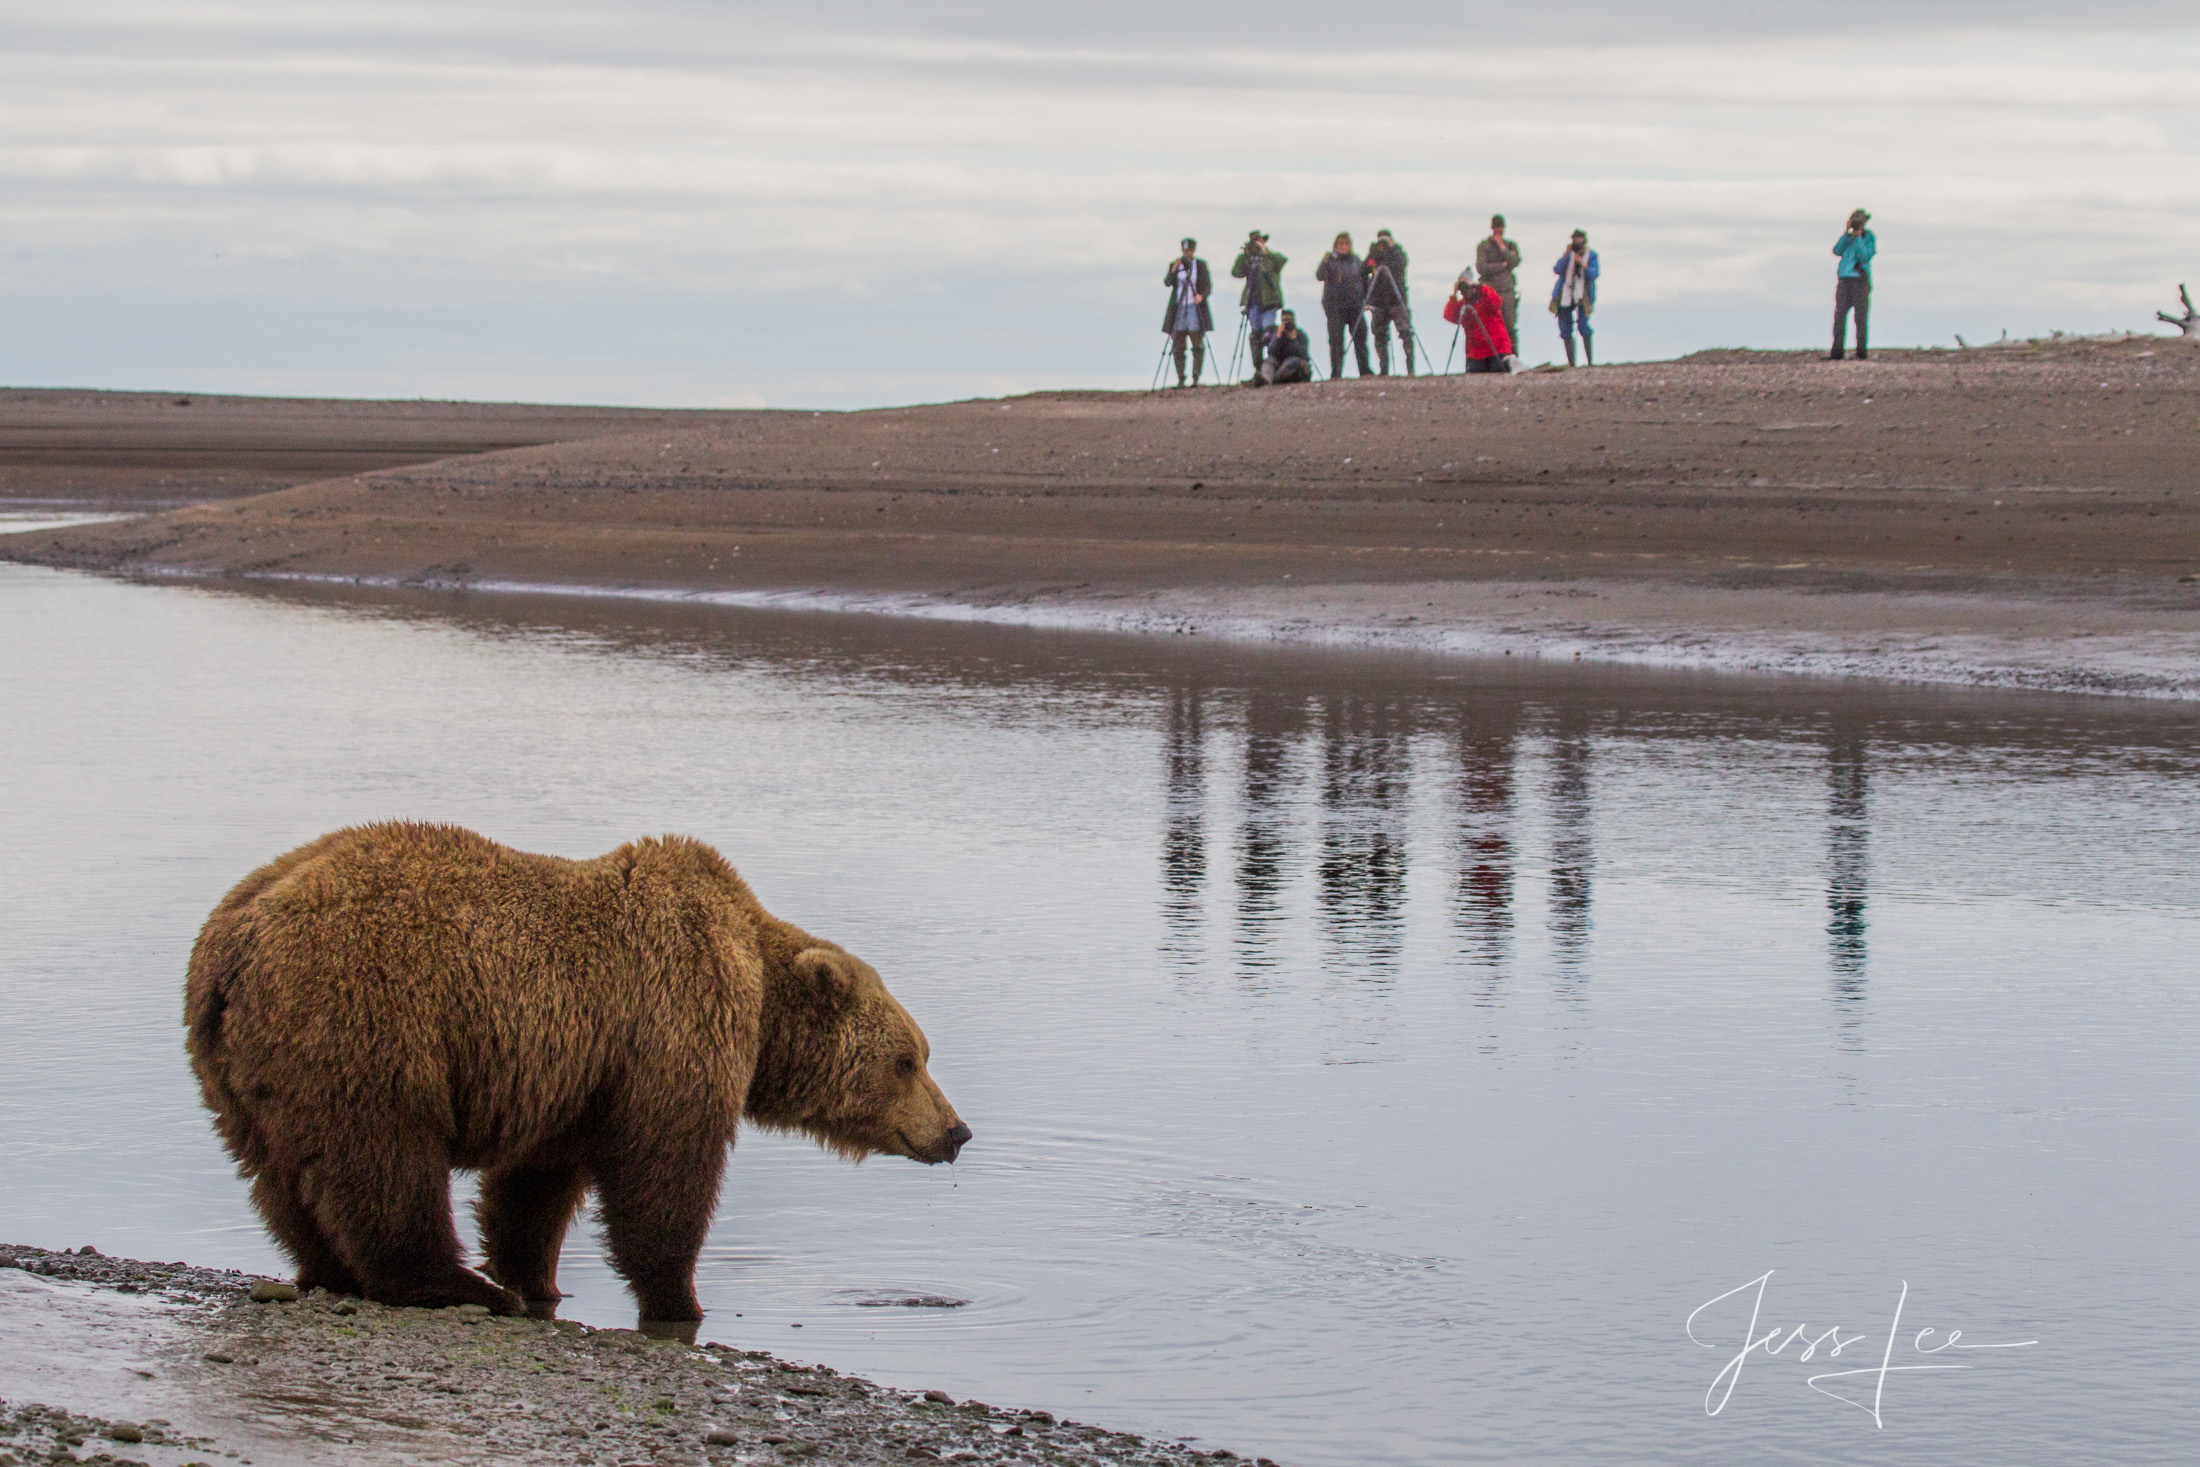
(1574, 295)
(1852, 286)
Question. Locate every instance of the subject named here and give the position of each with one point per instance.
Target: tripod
(1419, 345)
(1237, 351)
(1200, 355)
(1409, 340)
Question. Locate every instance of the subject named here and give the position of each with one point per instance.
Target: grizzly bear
(391, 1002)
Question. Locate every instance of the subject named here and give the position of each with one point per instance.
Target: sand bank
(2011, 517)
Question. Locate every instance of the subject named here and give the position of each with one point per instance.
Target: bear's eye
(906, 1065)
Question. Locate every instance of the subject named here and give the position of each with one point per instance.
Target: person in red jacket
(1480, 312)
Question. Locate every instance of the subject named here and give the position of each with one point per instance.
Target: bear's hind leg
(523, 1213)
(276, 1195)
(389, 1213)
(657, 1200)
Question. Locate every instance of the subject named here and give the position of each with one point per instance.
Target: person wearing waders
(1386, 299)
(1574, 296)
(1495, 259)
(1187, 318)
(1852, 286)
(1344, 301)
(1261, 268)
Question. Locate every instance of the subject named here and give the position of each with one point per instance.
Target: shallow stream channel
(1372, 1059)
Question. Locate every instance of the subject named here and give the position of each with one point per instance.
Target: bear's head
(849, 1069)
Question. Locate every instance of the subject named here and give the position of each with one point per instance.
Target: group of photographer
(1361, 291)
(1484, 303)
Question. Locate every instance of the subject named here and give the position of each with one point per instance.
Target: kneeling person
(1288, 356)
(1480, 312)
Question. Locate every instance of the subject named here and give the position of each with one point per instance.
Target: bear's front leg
(657, 1198)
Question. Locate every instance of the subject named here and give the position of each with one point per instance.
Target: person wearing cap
(1386, 299)
(1344, 301)
(1261, 268)
(1289, 356)
(1574, 295)
(1480, 312)
(1495, 259)
(1852, 286)
(1187, 319)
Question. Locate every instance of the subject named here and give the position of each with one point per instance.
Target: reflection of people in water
(1272, 723)
(1362, 876)
(1848, 862)
(1484, 901)
(1184, 837)
(1573, 853)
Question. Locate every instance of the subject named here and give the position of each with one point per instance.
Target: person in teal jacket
(1852, 286)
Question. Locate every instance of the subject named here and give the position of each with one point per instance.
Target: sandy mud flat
(115, 1360)
(2024, 516)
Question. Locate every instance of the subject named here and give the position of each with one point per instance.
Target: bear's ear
(831, 975)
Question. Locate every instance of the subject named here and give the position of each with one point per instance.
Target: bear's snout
(957, 1138)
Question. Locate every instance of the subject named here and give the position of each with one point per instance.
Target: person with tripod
(1187, 318)
(1289, 357)
(1261, 268)
(1495, 259)
(1386, 299)
(1574, 295)
(1852, 286)
(1344, 300)
(1480, 312)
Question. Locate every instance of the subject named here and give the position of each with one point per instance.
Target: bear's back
(472, 985)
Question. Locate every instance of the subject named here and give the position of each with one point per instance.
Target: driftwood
(2187, 324)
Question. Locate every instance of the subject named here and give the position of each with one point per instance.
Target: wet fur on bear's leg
(657, 1194)
(277, 1197)
(523, 1213)
(389, 1215)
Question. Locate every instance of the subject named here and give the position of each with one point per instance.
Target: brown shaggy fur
(390, 1002)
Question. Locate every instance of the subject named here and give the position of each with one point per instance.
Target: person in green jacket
(1495, 259)
(1261, 268)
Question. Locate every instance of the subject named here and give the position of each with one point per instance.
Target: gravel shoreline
(114, 1360)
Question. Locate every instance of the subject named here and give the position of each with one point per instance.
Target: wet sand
(115, 1360)
(133, 448)
(2024, 515)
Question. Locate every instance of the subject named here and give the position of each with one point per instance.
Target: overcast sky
(853, 203)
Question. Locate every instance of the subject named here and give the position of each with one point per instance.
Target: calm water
(1371, 1060)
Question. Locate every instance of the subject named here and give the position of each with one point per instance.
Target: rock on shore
(117, 1360)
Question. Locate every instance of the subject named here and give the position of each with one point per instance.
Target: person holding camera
(1289, 357)
(1852, 286)
(1344, 300)
(1187, 318)
(1386, 299)
(1574, 295)
(1261, 268)
(1480, 313)
(1495, 259)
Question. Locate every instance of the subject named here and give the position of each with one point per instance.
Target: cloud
(701, 203)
